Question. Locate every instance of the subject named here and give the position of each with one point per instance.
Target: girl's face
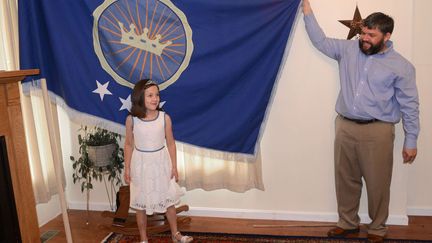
(151, 98)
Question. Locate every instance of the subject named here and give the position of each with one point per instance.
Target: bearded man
(377, 89)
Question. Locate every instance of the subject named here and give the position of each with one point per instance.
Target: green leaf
(84, 168)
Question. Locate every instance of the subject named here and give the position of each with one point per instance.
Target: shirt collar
(389, 45)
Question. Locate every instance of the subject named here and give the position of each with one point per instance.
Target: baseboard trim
(92, 206)
(284, 215)
(256, 214)
(419, 211)
(261, 214)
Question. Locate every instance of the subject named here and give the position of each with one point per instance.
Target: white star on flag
(102, 90)
(126, 103)
(161, 104)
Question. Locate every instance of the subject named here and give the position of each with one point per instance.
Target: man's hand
(306, 7)
(409, 155)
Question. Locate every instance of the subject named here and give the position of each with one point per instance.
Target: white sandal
(183, 239)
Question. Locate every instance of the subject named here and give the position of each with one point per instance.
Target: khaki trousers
(363, 151)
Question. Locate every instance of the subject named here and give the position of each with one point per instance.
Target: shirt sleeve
(407, 96)
(329, 46)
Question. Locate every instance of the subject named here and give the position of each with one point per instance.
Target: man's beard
(373, 49)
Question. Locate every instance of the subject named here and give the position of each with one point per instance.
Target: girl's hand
(174, 174)
(127, 176)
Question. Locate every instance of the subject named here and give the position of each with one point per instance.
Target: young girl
(151, 168)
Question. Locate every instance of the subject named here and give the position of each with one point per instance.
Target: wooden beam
(12, 127)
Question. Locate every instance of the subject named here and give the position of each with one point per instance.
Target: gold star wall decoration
(354, 24)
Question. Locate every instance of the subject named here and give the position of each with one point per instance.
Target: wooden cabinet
(12, 129)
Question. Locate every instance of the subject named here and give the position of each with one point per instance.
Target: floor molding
(284, 215)
(256, 214)
(419, 211)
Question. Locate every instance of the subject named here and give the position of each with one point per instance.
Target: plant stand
(100, 156)
(87, 201)
(111, 191)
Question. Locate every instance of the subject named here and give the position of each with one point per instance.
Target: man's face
(372, 41)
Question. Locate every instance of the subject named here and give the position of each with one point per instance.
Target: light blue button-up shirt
(380, 86)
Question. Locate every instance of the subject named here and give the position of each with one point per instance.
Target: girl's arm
(170, 141)
(128, 148)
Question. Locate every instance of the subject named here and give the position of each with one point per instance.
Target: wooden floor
(419, 228)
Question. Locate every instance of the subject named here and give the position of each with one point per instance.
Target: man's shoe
(339, 232)
(375, 238)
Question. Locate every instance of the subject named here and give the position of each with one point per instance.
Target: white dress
(151, 188)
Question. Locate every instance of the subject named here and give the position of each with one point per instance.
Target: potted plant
(100, 157)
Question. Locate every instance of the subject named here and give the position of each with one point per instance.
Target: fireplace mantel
(12, 128)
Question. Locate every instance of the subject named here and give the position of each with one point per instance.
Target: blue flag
(216, 61)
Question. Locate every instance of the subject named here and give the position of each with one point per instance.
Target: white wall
(297, 146)
(420, 179)
(48, 211)
(298, 141)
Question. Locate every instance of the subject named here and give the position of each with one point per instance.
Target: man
(377, 89)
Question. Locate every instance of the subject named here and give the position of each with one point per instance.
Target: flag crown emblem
(143, 41)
